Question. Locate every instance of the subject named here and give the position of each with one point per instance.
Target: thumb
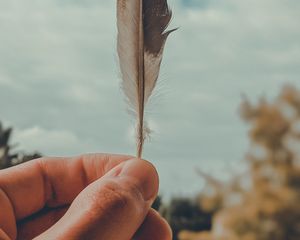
(113, 207)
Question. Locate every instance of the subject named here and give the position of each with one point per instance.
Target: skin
(97, 196)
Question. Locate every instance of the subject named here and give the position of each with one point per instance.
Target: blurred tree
(264, 203)
(157, 203)
(184, 213)
(7, 158)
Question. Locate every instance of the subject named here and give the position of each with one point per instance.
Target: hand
(103, 197)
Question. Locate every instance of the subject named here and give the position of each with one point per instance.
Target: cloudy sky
(59, 85)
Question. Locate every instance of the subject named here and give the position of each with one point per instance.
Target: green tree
(8, 158)
(186, 214)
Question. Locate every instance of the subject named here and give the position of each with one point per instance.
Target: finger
(3, 235)
(39, 223)
(154, 227)
(7, 218)
(52, 181)
(112, 207)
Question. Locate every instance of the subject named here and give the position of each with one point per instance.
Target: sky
(60, 85)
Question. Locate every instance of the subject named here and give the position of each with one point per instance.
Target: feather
(142, 35)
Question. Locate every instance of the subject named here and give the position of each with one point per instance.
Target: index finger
(52, 182)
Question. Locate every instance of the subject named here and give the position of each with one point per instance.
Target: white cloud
(49, 142)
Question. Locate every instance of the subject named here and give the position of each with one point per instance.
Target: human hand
(103, 197)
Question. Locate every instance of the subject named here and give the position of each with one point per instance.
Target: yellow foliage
(270, 208)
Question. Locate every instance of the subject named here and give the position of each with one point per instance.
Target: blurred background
(60, 92)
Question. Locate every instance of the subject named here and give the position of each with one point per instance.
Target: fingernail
(144, 176)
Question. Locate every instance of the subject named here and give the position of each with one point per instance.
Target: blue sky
(59, 84)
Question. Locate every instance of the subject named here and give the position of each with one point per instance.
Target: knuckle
(115, 195)
(111, 198)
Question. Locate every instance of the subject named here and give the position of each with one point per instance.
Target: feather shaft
(141, 85)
